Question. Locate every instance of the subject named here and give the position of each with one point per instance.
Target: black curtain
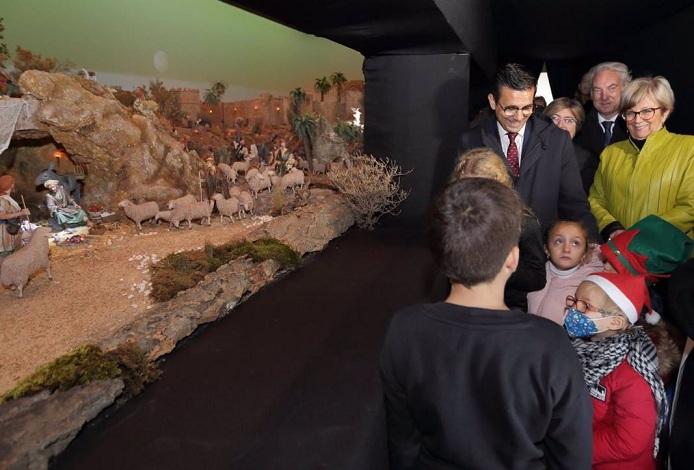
(416, 107)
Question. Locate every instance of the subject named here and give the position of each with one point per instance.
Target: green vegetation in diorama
(338, 80)
(322, 85)
(88, 364)
(181, 271)
(305, 128)
(371, 187)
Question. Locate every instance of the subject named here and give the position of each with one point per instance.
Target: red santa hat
(629, 292)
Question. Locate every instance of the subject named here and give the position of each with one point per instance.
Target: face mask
(578, 324)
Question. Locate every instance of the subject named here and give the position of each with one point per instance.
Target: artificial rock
(127, 155)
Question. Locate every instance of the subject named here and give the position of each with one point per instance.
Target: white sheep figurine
(196, 210)
(258, 183)
(234, 191)
(139, 212)
(241, 167)
(229, 173)
(163, 215)
(252, 173)
(292, 179)
(227, 207)
(319, 167)
(22, 264)
(246, 201)
(181, 201)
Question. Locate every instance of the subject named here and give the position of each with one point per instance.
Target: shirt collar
(603, 119)
(503, 132)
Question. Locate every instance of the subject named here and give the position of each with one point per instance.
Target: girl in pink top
(571, 260)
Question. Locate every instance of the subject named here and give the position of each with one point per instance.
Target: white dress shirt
(503, 135)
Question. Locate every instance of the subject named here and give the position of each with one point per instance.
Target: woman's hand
(23, 213)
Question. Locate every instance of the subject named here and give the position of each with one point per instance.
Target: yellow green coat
(629, 185)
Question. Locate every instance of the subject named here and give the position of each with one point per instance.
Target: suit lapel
(531, 141)
(490, 137)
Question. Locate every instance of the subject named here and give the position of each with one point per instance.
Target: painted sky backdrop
(203, 40)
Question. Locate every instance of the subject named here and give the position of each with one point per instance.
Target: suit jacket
(587, 165)
(549, 182)
(592, 135)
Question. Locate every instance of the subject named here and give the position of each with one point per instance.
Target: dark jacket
(549, 182)
(530, 275)
(472, 388)
(592, 135)
(592, 139)
(587, 165)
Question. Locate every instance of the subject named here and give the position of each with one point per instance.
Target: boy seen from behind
(468, 382)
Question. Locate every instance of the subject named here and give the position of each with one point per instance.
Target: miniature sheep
(226, 207)
(292, 179)
(163, 215)
(22, 264)
(181, 201)
(139, 212)
(246, 201)
(234, 191)
(229, 173)
(319, 168)
(241, 167)
(252, 173)
(196, 210)
(258, 183)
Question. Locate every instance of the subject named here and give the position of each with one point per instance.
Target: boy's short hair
(474, 225)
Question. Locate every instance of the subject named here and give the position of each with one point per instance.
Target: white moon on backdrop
(161, 61)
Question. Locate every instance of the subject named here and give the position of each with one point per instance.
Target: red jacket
(624, 421)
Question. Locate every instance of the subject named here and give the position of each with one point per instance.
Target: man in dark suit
(603, 125)
(539, 155)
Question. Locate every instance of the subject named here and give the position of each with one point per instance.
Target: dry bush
(371, 187)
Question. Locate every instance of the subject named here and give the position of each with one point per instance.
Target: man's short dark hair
(474, 225)
(515, 77)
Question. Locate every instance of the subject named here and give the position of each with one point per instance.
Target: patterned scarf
(599, 358)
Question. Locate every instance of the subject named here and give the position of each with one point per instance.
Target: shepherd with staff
(10, 217)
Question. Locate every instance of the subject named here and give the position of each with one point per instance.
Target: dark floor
(288, 380)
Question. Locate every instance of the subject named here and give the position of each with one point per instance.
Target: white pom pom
(652, 317)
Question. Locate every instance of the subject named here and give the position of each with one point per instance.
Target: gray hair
(621, 69)
(657, 87)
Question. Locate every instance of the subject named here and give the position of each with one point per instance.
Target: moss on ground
(181, 271)
(89, 364)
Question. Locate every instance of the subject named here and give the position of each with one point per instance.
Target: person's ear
(511, 262)
(492, 101)
(617, 323)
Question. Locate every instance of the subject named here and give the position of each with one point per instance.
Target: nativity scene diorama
(115, 205)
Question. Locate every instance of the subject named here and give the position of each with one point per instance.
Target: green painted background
(205, 41)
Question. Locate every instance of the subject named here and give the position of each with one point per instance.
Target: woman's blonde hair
(482, 162)
(657, 87)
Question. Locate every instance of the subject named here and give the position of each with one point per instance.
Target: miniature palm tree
(213, 95)
(322, 86)
(298, 96)
(338, 80)
(305, 129)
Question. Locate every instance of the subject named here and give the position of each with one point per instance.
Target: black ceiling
(489, 29)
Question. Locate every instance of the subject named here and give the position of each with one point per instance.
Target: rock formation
(328, 146)
(126, 154)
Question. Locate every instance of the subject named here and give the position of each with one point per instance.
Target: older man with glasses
(539, 155)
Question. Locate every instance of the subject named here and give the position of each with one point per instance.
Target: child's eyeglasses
(583, 306)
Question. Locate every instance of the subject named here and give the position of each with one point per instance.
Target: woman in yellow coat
(652, 172)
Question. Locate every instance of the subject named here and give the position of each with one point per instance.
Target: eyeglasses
(645, 113)
(569, 121)
(510, 111)
(583, 306)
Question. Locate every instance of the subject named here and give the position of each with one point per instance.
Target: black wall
(416, 106)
